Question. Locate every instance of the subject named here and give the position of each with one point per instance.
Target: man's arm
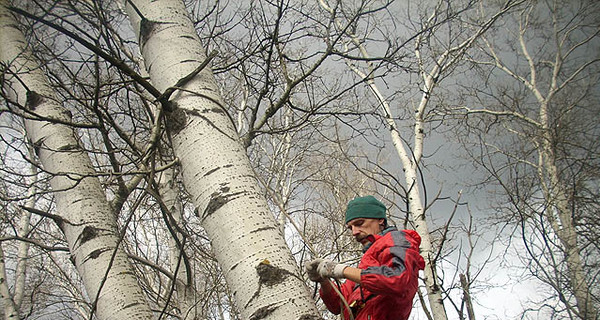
(329, 296)
(352, 274)
(400, 263)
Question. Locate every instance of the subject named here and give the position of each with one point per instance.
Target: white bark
(12, 301)
(23, 231)
(6, 300)
(558, 212)
(411, 160)
(253, 255)
(85, 216)
(184, 286)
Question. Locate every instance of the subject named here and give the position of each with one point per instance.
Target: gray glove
(311, 268)
(320, 269)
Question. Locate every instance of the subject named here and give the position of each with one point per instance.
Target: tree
(85, 216)
(441, 40)
(540, 98)
(215, 168)
(313, 101)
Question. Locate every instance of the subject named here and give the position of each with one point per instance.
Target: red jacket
(389, 277)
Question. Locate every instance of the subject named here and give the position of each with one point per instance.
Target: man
(386, 280)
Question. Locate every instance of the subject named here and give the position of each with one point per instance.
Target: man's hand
(320, 269)
(311, 268)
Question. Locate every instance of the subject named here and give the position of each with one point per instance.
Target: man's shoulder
(399, 238)
(393, 233)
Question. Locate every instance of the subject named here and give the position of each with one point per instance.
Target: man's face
(363, 227)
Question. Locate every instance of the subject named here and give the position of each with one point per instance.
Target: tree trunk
(85, 218)
(252, 253)
(467, 296)
(184, 286)
(6, 301)
(561, 220)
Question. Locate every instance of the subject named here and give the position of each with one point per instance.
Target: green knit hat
(365, 207)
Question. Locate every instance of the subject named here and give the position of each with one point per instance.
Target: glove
(320, 269)
(311, 268)
(330, 269)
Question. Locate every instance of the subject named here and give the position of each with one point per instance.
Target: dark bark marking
(217, 200)
(33, 100)
(213, 110)
(270, 275)
(211, 171)
(68, 147)
(169, 106)
(220, 198)
(217, 169)
(67, 113)
(96, 253)
(176, 120)
(37, 146)
(309, 317)
(147, 28)
(131, 305)
(262, 229)
(263, 312)
(87, 234)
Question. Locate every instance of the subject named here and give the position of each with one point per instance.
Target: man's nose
(355, 231)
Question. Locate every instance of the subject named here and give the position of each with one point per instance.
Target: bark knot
(87, 234)
(220, 198)
(263, 312)
(148, 28)
(176, 120)
(269, 274)
(34, 100)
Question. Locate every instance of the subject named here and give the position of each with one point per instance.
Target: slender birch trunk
(557, 206)
(85, 217)
(6, 301)
(252, 253)
(411, 160)
(561, 220)
(23, 231)
(558, 212)
(12, 302)
(184, 282)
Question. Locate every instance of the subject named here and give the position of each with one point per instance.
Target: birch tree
(85, 216)
(541, 101)
(434, 61)
(13, 299)
(216, 170)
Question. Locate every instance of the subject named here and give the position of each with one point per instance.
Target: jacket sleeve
(399, 265)
(332, 300)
